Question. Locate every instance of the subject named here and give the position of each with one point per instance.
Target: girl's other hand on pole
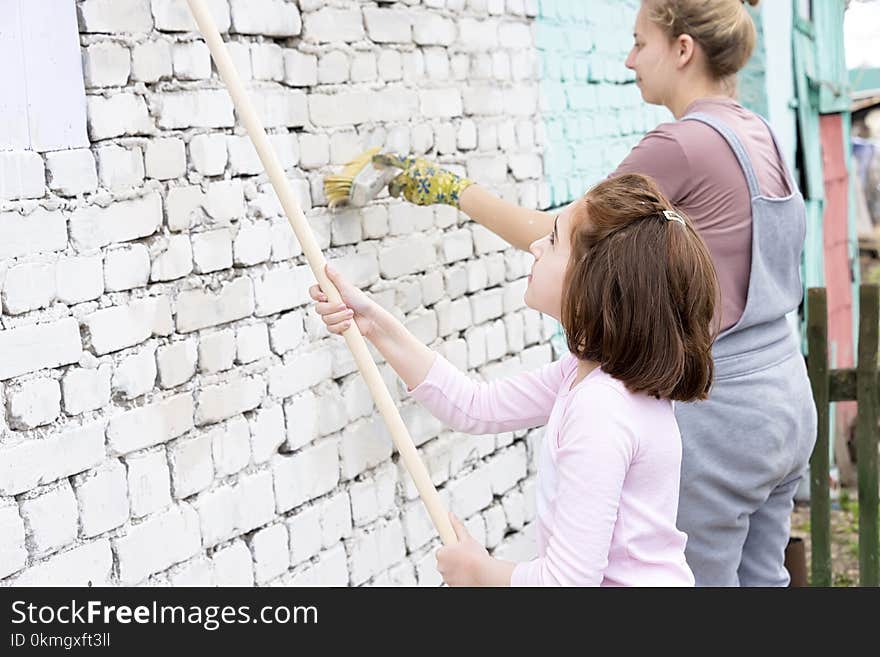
(356, 306)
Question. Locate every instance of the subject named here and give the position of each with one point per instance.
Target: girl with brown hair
(634, 286)
(747, 447)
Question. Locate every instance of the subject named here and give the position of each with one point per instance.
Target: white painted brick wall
(165, 376)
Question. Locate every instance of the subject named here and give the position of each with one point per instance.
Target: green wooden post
(820, 498)
(866, 433)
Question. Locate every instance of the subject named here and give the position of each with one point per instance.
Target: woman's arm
(424, 182)
(517, 225)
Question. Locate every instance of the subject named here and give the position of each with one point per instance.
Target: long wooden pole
(353, 338)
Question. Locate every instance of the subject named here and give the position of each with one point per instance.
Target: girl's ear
(685, 47)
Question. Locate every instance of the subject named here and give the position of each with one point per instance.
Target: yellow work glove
(423, 182)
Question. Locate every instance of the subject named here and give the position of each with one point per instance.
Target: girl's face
(652, 58)
(544, 292)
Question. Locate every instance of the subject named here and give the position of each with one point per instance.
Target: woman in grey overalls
(746, 448)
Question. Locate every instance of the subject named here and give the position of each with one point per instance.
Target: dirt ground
(844, 537)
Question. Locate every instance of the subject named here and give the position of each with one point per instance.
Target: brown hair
(723, 28)
(640, 291)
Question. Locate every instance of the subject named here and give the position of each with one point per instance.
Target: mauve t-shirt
(699, 173)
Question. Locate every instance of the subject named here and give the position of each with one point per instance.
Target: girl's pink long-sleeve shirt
(608, 470)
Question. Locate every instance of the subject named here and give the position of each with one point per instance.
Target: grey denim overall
(747, 446)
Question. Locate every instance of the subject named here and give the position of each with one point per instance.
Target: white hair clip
(673, 216)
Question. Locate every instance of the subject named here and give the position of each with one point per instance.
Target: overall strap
(736, 146)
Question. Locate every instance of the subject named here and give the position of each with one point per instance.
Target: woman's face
(544, 292)
(652, 58)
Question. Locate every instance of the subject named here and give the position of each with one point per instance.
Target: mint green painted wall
(592, 112)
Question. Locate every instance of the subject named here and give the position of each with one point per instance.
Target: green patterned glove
(423, 182)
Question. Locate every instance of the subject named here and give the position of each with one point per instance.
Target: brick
(192, 469)
(117, 115)
(282, 289)
(31, 348)
(252, 244)
(373, 498)
(31, 463)
(305, 534)
(50, 518)
(85, 389)
(271, 554)
(177, 363)
(252, 343)
(255, 505)
(267, 61)
(217, 351)
(376, 551)
(33, 403)
(415, 255)
(302, 420)
(197, 309)
(106, 64)
(233, 565)
(430, 29)
(390, 65)
(329, 25)
(341, 109)
(165, 159)
(222, 401)
(28, 287)
(299, 373)
(267, 432)
(208, 154)
(135, 375)
(457, 245)
(120, 168)
(128, 16)
(172, 257)
(175, 16)
(212, 251)
(94, 227)
(13, 553)
(112, 329)
(274, 18)
(388, 25)
(151, 61)
(157, 543)
(217, 514)
(40, 231)
(126, 268)
(330, 569)
(363, 67)
(71, 172)
(22, 175)
(231, 446)
(314, 151)
(102, 497)
(333, 67)
(196, 572)
(364, 445)
(191, 60)
(300, 69)
(150, 425)
(204, 108)
(149, 482)
(305, 475)
(90, 564)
